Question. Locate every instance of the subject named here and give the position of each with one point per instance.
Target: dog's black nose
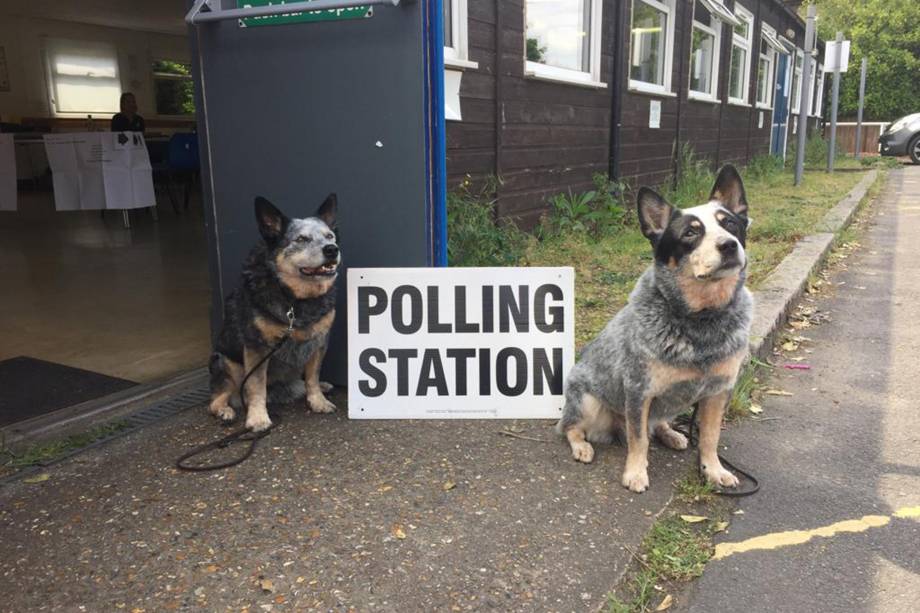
(330, 251)
(728, 248)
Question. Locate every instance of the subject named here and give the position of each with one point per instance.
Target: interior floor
(82, 290)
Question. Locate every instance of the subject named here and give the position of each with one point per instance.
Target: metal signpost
(859, 114)
(803, 98)
(839, 57)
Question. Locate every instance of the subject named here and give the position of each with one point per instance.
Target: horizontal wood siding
(541, 138)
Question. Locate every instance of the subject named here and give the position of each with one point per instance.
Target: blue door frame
(780, 108)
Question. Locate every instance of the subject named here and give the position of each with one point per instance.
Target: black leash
(242, 434)
(694, 442)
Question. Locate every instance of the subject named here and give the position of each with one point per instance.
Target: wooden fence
(846, 136)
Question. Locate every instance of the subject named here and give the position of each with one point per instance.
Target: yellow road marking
(776, 540)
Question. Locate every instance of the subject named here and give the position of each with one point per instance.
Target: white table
(100, 171)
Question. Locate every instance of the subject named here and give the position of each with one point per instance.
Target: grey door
(293, 112)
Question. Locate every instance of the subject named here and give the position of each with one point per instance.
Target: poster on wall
(7, 173)
(100, 170)
(459, 343)
(4, 72)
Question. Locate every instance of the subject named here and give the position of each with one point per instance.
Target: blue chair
(181, 161)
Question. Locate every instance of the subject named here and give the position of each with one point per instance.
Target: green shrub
(763, 166)
(596, 213)
(474, 237)
(693, 181)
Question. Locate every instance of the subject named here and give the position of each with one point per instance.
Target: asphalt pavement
(836, 526)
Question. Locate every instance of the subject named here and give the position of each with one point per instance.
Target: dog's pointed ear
(654, 213)
(729, 191)
(272, 222)
(328, 210)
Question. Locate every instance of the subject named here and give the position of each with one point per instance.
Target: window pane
(86, 95)
(736, 82)
(173, 89)
(742, 29)
(448, 23)
(701, 61)
(558, 33)
(763, 70)
(86, 65)
(648, 43)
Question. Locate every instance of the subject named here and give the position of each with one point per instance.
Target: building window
(820, 94)
(82, 76)
(765, 64)
(740, 67)
(456, 44)
(173, 89)
(704, 53)
(797, 81)
(563, 40)
(651, 44)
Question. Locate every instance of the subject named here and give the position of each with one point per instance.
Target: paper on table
(100, 170)
(7, 173)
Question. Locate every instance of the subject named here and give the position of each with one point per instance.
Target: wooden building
(542, 94)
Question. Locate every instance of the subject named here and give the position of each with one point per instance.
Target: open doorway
(108, 294)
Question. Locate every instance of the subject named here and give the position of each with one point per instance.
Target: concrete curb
(788, 281)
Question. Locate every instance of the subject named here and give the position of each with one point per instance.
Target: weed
(763, 167)
(596, 212)
(693, 488)
(476, 239)
(693, 180)
(37, 455)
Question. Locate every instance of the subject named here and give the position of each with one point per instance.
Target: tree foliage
(887, 32)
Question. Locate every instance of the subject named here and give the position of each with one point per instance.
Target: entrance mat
(31, 387)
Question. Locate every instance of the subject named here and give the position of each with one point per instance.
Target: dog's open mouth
(326, 270)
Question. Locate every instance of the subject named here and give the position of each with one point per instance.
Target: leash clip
(290, 316)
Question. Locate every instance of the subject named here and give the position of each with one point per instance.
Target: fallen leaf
(449, 485)
(790, 346)
(267, 585)
(37, 478)
(738, 512)
(777, 393)
(384, 488)
(693, 519)
(279, 599)
(665, 603)
(756, 409)
(398, 532)
(721, 525)
(798, 358)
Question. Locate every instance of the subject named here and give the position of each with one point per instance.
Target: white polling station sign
(459, 343)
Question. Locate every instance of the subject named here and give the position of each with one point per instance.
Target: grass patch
(693, 488)
(37, 455)
(674, 551)
(745, 388)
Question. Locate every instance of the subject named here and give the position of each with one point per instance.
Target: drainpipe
(620, 64)
(685, 23)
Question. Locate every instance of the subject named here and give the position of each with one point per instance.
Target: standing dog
(679, 341)
(287, 288)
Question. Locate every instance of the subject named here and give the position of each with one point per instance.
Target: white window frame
(819, 100)
(771, 71)
(716, 33)
(666, 6)
(458, 55)
(748, 45)
(590, 78)
(811, 85)
(48, 45)
(797, 79)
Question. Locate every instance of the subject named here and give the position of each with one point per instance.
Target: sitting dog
(680, 340)
(287, 289)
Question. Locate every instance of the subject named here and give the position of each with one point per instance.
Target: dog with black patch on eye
(680, 340)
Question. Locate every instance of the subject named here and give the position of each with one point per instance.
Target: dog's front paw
(635, 480)
(319, 404)
(225, 413)
(258, 423)
(717, 475)
(583, 452)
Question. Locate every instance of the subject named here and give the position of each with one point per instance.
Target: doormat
(31, 387)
